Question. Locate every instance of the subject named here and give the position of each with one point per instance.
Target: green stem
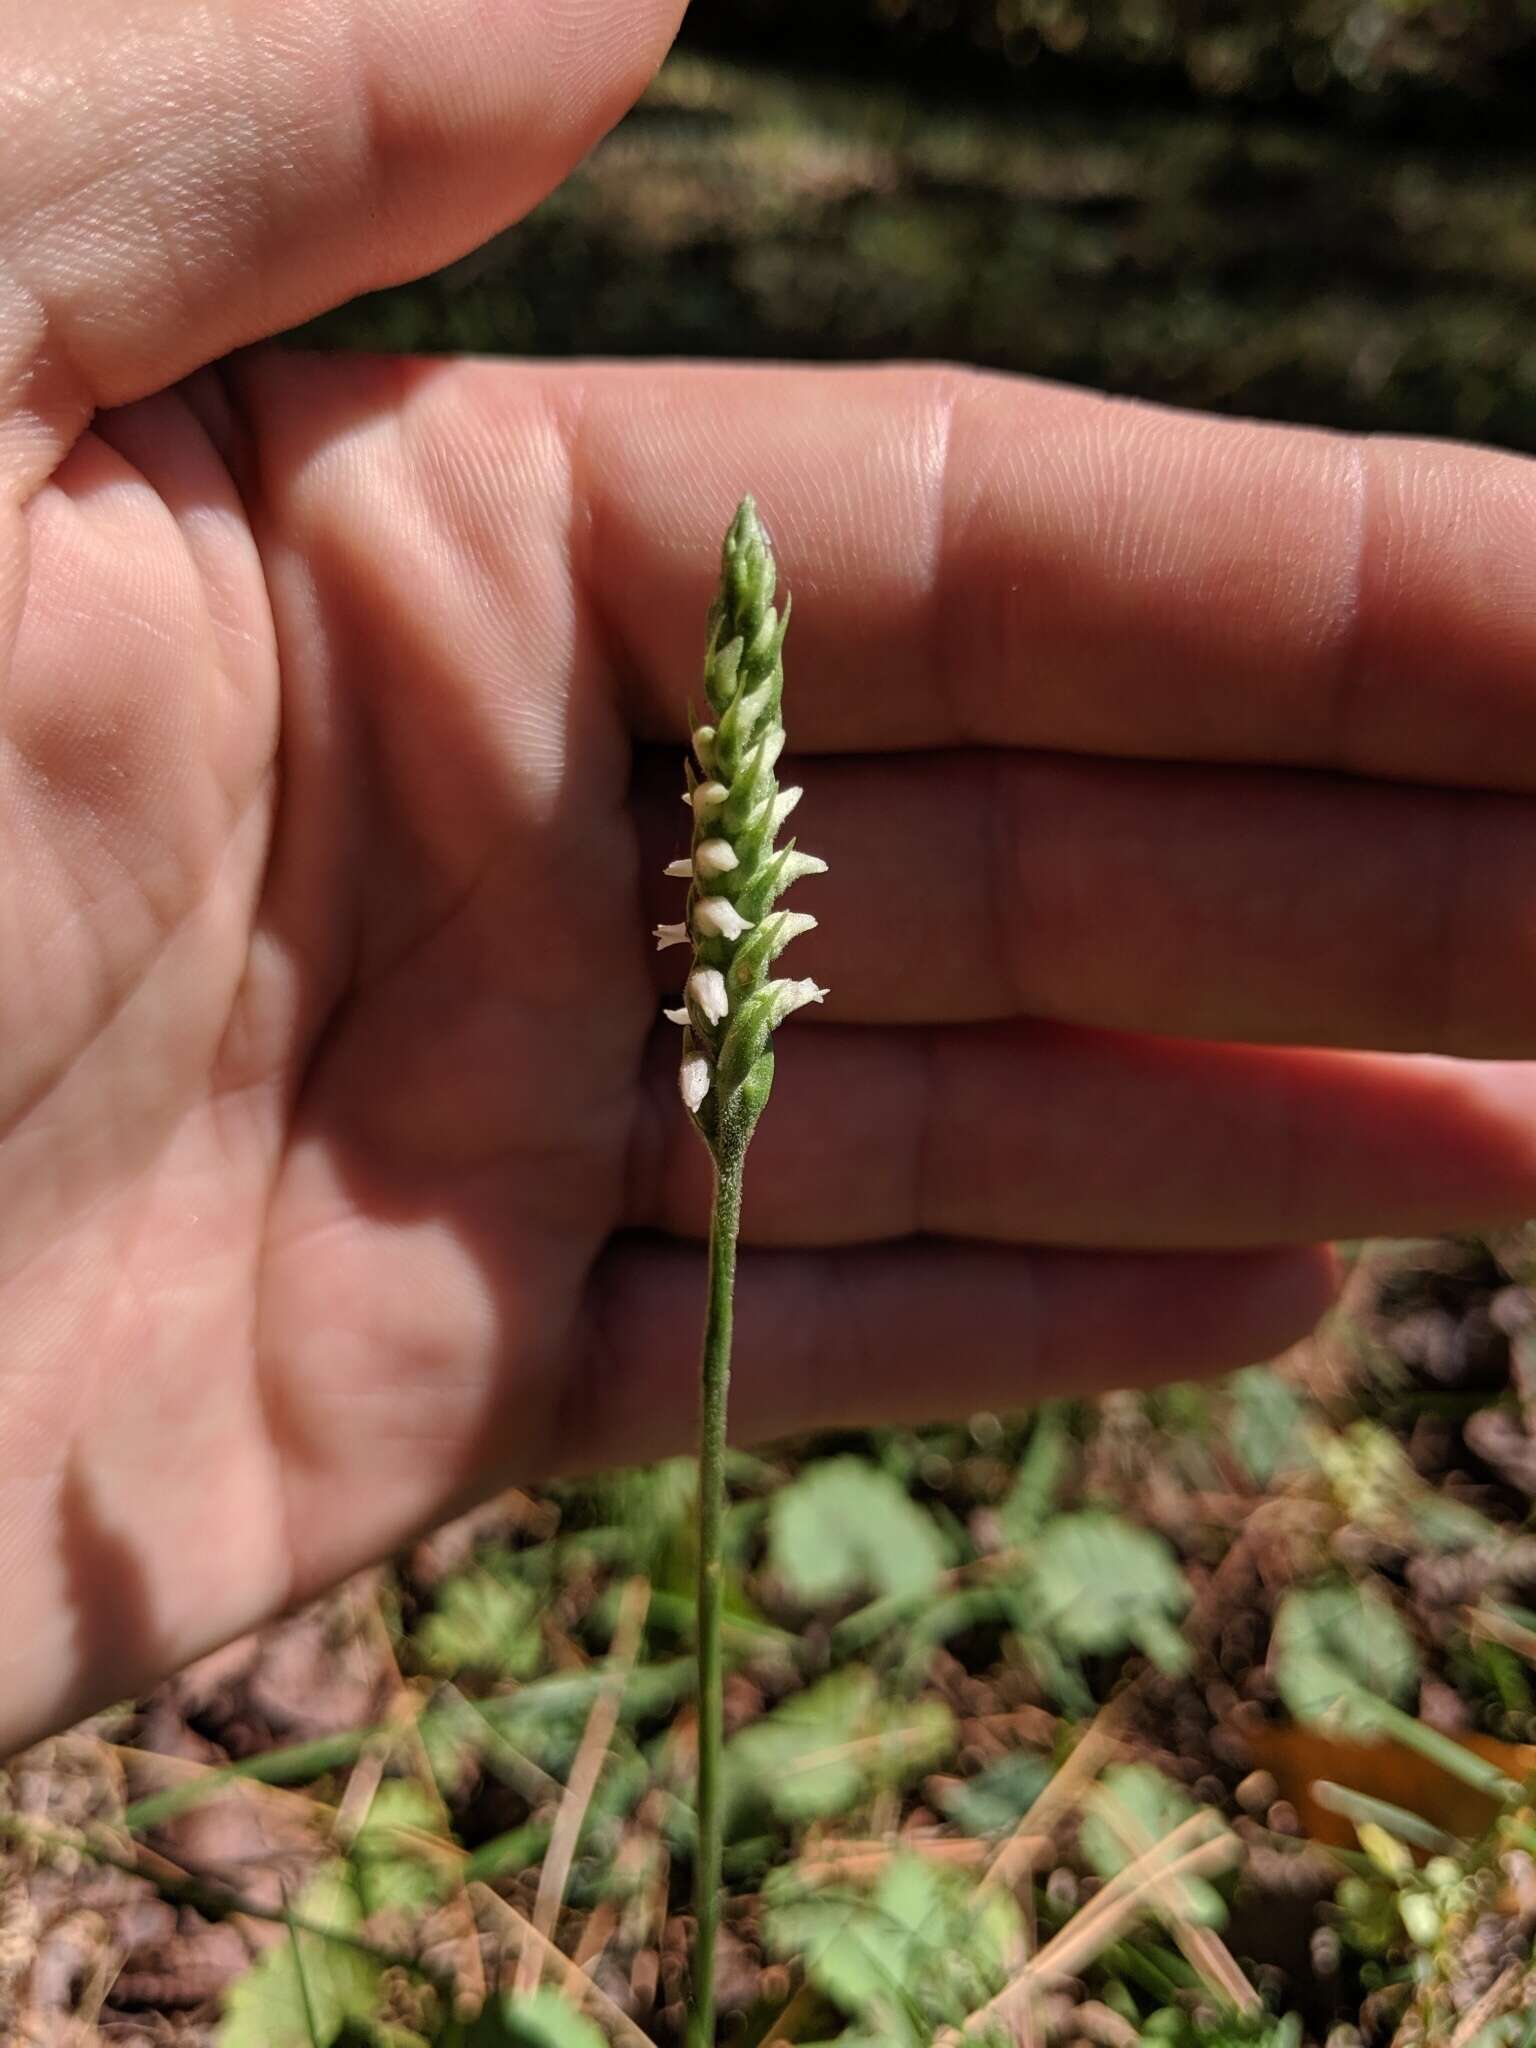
(715, 1380)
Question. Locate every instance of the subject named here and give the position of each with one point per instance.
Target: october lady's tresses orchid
(731, 1006)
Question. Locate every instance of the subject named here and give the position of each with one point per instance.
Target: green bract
(731, 1006)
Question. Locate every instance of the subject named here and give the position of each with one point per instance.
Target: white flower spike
(732, 1004)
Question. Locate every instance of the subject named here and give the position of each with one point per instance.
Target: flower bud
(713, 857)
(693, 1079)
(706, 988)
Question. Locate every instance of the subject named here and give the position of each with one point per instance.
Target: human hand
(341, 1172)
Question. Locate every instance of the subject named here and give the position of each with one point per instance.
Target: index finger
(980, 559)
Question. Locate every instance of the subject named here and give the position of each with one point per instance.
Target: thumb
(178, 177)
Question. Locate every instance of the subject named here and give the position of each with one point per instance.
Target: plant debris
(1199, 1717)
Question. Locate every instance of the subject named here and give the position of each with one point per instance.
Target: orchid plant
(731, 1006)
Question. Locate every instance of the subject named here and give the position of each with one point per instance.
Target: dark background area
(1307, 210)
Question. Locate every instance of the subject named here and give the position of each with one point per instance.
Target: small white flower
(693, 1078)
(679, 870)
(706, 987)
(670, 935)
(715, 918)
(794, 995)
(713, 857)
(675, 1016)
(704, 747)
(707, 796)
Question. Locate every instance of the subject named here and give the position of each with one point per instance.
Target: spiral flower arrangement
(732, 1004)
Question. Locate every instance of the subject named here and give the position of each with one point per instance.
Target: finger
(982, 559)
(177, 179)
(908, 1334)
(986, 560)
(1278, 907)
(1038, 1134)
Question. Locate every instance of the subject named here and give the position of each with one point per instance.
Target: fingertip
(477, 108)
(1144, 1319)
(268, 159)
(1288, 1295)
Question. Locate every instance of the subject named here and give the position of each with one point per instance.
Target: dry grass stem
(1106, 1916)
(1477, 2016)
(403, 1733)
(1100, 1923)
(1201, 1946)
(521, 1936)
(1500, 1628)
(1097, 1746)
(863, 1862)
(585, 1771)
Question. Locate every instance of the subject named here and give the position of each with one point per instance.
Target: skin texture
(341, 704)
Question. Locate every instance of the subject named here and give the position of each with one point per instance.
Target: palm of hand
(323, 1056)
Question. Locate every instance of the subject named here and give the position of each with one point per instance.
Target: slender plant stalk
(731, 1007)
(714, 1392)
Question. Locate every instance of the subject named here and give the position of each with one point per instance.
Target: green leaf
(1000, 1796)
(391, 1867)
(1131, 1807)
(306, 1992)
(845, 1526)
(482, 1623)
(920, 1950)
(555, 1701)
(826, 1748)
(654, 1505)
(542, 2019)
(1337, 1648)
(1266, 1423)
(1375, 1484)
(1446, 1525)
(1097, 1585)
(1041, 1470)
